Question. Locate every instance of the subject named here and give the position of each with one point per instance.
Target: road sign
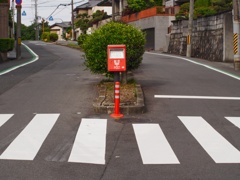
(18, 2)
(51, 18)
(24, 13)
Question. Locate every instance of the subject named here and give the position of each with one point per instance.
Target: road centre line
(33, 59)
(196, 97)
(200, 64)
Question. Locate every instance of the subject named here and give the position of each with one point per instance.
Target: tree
(83, 22)
(136, 5)
(98, 16)
(95, 46)
(28, 32)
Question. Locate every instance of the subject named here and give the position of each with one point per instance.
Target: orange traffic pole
(117, 114)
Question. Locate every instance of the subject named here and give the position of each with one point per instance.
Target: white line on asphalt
(153, 145)
(90, 142)
(4, 118)
(200, 64)
(214, 144)
(33, 59)
(234, 120)
(29, 141)
(197, 97)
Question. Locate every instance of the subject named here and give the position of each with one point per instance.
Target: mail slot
(116, 58)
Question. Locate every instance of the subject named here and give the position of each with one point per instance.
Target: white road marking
(33, 59)
(197, 97)
(220, 150)
(4, 118)
(200, 64)
(90, 142)
(29, 141)
(153, 145)
(234, 120)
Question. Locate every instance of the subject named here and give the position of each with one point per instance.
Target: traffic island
(105, 104)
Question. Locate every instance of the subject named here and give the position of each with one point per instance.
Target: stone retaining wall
(212, 38)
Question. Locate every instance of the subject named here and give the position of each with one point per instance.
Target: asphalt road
(51, 131)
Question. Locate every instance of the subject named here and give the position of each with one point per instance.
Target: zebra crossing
(90, 140)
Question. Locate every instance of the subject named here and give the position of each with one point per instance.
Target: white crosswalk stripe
(91, 137)
(153, 145)
(234, 120)
(4, 118)
(214, 144)
(90, 143)
(29, 141)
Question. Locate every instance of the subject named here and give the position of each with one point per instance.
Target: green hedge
(53, 37)
(6, 44)
(3, 1)
(47, 36)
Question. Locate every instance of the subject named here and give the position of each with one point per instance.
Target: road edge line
(200, 64)
(34, 58)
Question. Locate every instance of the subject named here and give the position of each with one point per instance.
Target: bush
(95, 46)
(205, 11)
(45, 36)
(6, 44)
(202, 3)
(53, 37)
(3, 1)
(81, 39)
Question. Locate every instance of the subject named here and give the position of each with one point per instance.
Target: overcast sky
(45, 8)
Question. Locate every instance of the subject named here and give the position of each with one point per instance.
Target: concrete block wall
(212, 38)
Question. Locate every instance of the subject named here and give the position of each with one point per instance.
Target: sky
(45, 8)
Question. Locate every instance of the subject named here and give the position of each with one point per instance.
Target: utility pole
(116, 76)
(190, 25)
(73, 32)
(113, 10)
(43, 20)
(36, 22)
(236, 38)
(18, 34)
(13, 14)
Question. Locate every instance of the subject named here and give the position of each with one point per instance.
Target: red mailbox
(116, 58)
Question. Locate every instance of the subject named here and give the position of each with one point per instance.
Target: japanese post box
(116, 58)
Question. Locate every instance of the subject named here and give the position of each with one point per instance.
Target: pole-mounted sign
(18, 2)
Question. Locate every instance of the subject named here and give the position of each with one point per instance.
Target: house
(60, 29)
(89, 8)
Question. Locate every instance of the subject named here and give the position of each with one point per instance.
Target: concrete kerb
(138, 108)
